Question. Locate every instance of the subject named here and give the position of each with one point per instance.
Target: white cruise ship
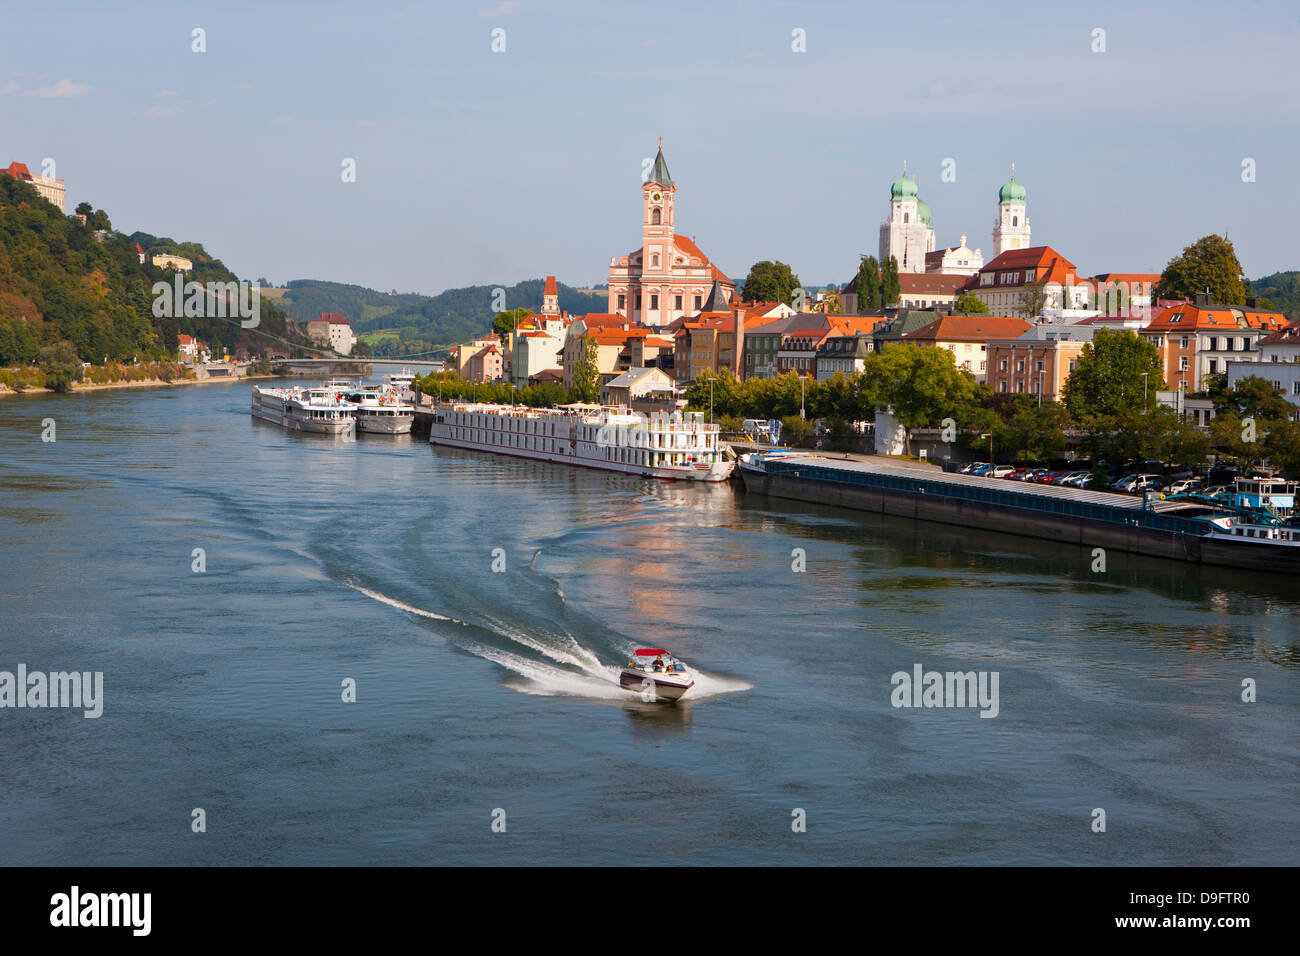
(379, 409)
(305, 410)
(678, 446)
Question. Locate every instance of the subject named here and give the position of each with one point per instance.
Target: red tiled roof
(969, 328)
(19, 171)
(1213, 317)
(550, 286)
(930, 282)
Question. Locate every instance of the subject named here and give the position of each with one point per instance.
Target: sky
(475, 166)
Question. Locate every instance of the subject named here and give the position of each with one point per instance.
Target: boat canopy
(650, 651)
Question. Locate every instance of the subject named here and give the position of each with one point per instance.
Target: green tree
(1209, 264)
(921, 384)
(61, 366)
(586, 374)
(832, 304)
(1282, 445)
(1254, 397)
(890, 288)
(1035, 299)
(1236, 440)
(770, 282)
(1031, 433)
(968, 304)
(1108, 380)
(796, 432)
(505, 322)
(867, 284)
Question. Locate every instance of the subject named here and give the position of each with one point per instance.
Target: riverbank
(143, 383)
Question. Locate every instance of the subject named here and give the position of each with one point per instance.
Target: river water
(486, 700)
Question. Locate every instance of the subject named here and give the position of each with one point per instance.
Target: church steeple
(659, 174)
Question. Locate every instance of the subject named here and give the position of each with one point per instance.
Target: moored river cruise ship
(677, 446)
(305, 410)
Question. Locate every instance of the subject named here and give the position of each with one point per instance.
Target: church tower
(1011, 231)
(658, 193)
(906, 234)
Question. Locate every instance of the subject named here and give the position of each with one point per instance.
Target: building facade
(668, 277)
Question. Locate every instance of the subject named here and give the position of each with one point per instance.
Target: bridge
(436, 366)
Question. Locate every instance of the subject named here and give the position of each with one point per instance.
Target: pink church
(668, 277)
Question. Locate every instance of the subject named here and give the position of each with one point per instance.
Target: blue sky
(482, 167)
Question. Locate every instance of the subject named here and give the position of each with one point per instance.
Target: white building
(960, 260)
(1011, 230)
(906, 234)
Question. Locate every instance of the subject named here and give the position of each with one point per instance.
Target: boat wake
(400, 605)
(566, 667)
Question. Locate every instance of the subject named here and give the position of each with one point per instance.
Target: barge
(1092, 519)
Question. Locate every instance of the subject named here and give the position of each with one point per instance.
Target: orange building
(1200, 338)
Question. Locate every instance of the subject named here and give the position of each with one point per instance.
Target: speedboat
(655, 674)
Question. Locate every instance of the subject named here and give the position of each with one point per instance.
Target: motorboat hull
(662, 686)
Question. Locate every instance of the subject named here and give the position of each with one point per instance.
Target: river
(487, 726)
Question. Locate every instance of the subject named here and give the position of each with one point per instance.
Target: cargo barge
(1090, 519)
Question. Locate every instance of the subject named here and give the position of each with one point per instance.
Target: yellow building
(166, 261)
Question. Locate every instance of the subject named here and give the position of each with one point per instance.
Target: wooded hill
(59, 282)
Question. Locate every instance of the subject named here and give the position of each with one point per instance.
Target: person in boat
(658, 665)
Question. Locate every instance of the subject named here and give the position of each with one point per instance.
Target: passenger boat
(655, 674)
(378, 409)
(305, 410)
(673, 445)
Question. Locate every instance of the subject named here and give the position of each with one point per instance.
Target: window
(1038, 366)
(622, 300)
(677, 303)
(1295, 387)
(1015, 220)
(1002, 385)
(1214, 343)
(1229, 344)
(1020, 365)
(654, 221)
(698, 301)
(1184, 342)
(654, 302)
(904, 217)
(1214, 366)
(1002, 366)
(1182, 364)
(1073, 363)
(638, 301)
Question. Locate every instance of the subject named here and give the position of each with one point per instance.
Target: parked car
(970, 469)
(1025, 474)
(1130, 483)
(1070, 476)
(998, 471)
(1077, 480)
(1181, 487)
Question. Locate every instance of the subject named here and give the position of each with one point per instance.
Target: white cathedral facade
(908, 236)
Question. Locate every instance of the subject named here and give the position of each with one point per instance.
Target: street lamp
(801, 410)
(1144, 390)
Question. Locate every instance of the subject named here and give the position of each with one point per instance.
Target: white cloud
(280, 120)
(165, 112)
(501, 10)
(165, 94)
(10, 87)
(62, 90)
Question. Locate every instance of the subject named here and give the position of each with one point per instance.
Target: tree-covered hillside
(1282, 289)
(60, 283)
(426, 322)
